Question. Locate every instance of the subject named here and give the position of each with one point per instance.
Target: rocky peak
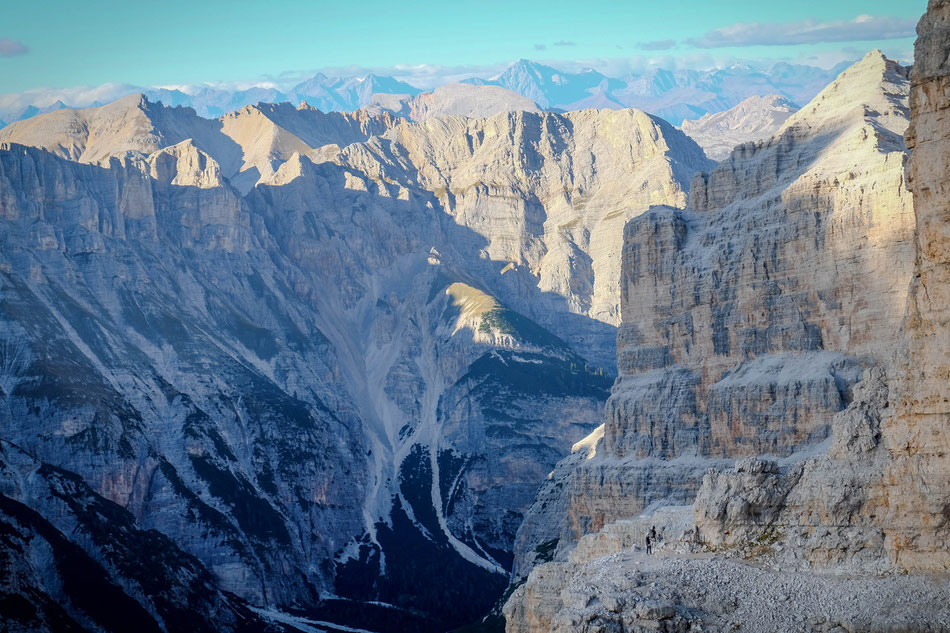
(741, 333)
(864, 110)
(919, 436)
(753, 119)
(873, 88)
(184, 164)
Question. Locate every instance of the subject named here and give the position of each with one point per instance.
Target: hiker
(649, 545)
(653, 534)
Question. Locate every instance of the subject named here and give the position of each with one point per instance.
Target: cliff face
(919, 438)
(546, 196)
(337, 381)
(749, 316)
(879, 497)
(872, 497)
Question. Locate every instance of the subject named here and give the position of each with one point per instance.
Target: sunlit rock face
(754, 119)
(918, 438)
(324, 354)
(868, 501)
(749, 316)
(878, 498)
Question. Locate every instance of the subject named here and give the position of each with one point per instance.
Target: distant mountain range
(674, 95)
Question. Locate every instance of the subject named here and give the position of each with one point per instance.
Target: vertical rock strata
(874, 497)
(919, 437)
(880, 497)
(749, 316)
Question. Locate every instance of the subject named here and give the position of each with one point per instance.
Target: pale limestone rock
(454, 99)
(744, 328)
(754, 119)
(185, 165)
(270, 134)
(630, 591)
(918, 437)
(879, 498)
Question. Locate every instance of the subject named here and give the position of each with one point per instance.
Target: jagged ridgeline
(782, 407)
(294, 362)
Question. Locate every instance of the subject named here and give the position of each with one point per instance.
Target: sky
(51, 44)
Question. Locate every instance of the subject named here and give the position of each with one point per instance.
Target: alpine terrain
(535, 349)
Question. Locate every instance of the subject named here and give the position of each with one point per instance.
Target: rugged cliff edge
(749, 316)
(880, 496)
(328, 356)
(834, 542)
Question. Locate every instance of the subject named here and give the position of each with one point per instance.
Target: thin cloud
(540, 47)
(657, 45)
(861, 28)
(565, 43)
(12, 48)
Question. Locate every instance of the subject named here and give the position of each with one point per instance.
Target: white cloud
(861, 28)
(76, 96)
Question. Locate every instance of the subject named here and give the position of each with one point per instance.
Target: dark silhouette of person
(651, 539)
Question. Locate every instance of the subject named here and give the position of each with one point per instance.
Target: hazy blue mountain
(674, 95)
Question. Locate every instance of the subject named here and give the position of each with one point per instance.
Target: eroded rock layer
(879, 497)
(749, 316)
(814, 544)
(328, 356)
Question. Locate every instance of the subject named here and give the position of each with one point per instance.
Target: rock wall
(309, 348)
(879, 497)
(749, 316)
(919, 436)
(869, 501)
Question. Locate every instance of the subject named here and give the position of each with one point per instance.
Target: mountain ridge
(354, 366)
(674, 95)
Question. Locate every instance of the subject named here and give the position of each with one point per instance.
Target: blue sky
(60, 43)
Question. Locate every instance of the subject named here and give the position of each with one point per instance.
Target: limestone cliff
(782, 543)
(328, 356)
(918, 438)
(879, 497)
(749, 316)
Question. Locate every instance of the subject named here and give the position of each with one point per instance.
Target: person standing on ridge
(651, 539)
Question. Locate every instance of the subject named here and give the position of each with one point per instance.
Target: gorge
(440, 361)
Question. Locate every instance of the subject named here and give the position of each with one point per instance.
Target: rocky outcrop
(877, 499)
(330, 382)
(454, 100)
(754, 119)
(743, 332)
(825, 511)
